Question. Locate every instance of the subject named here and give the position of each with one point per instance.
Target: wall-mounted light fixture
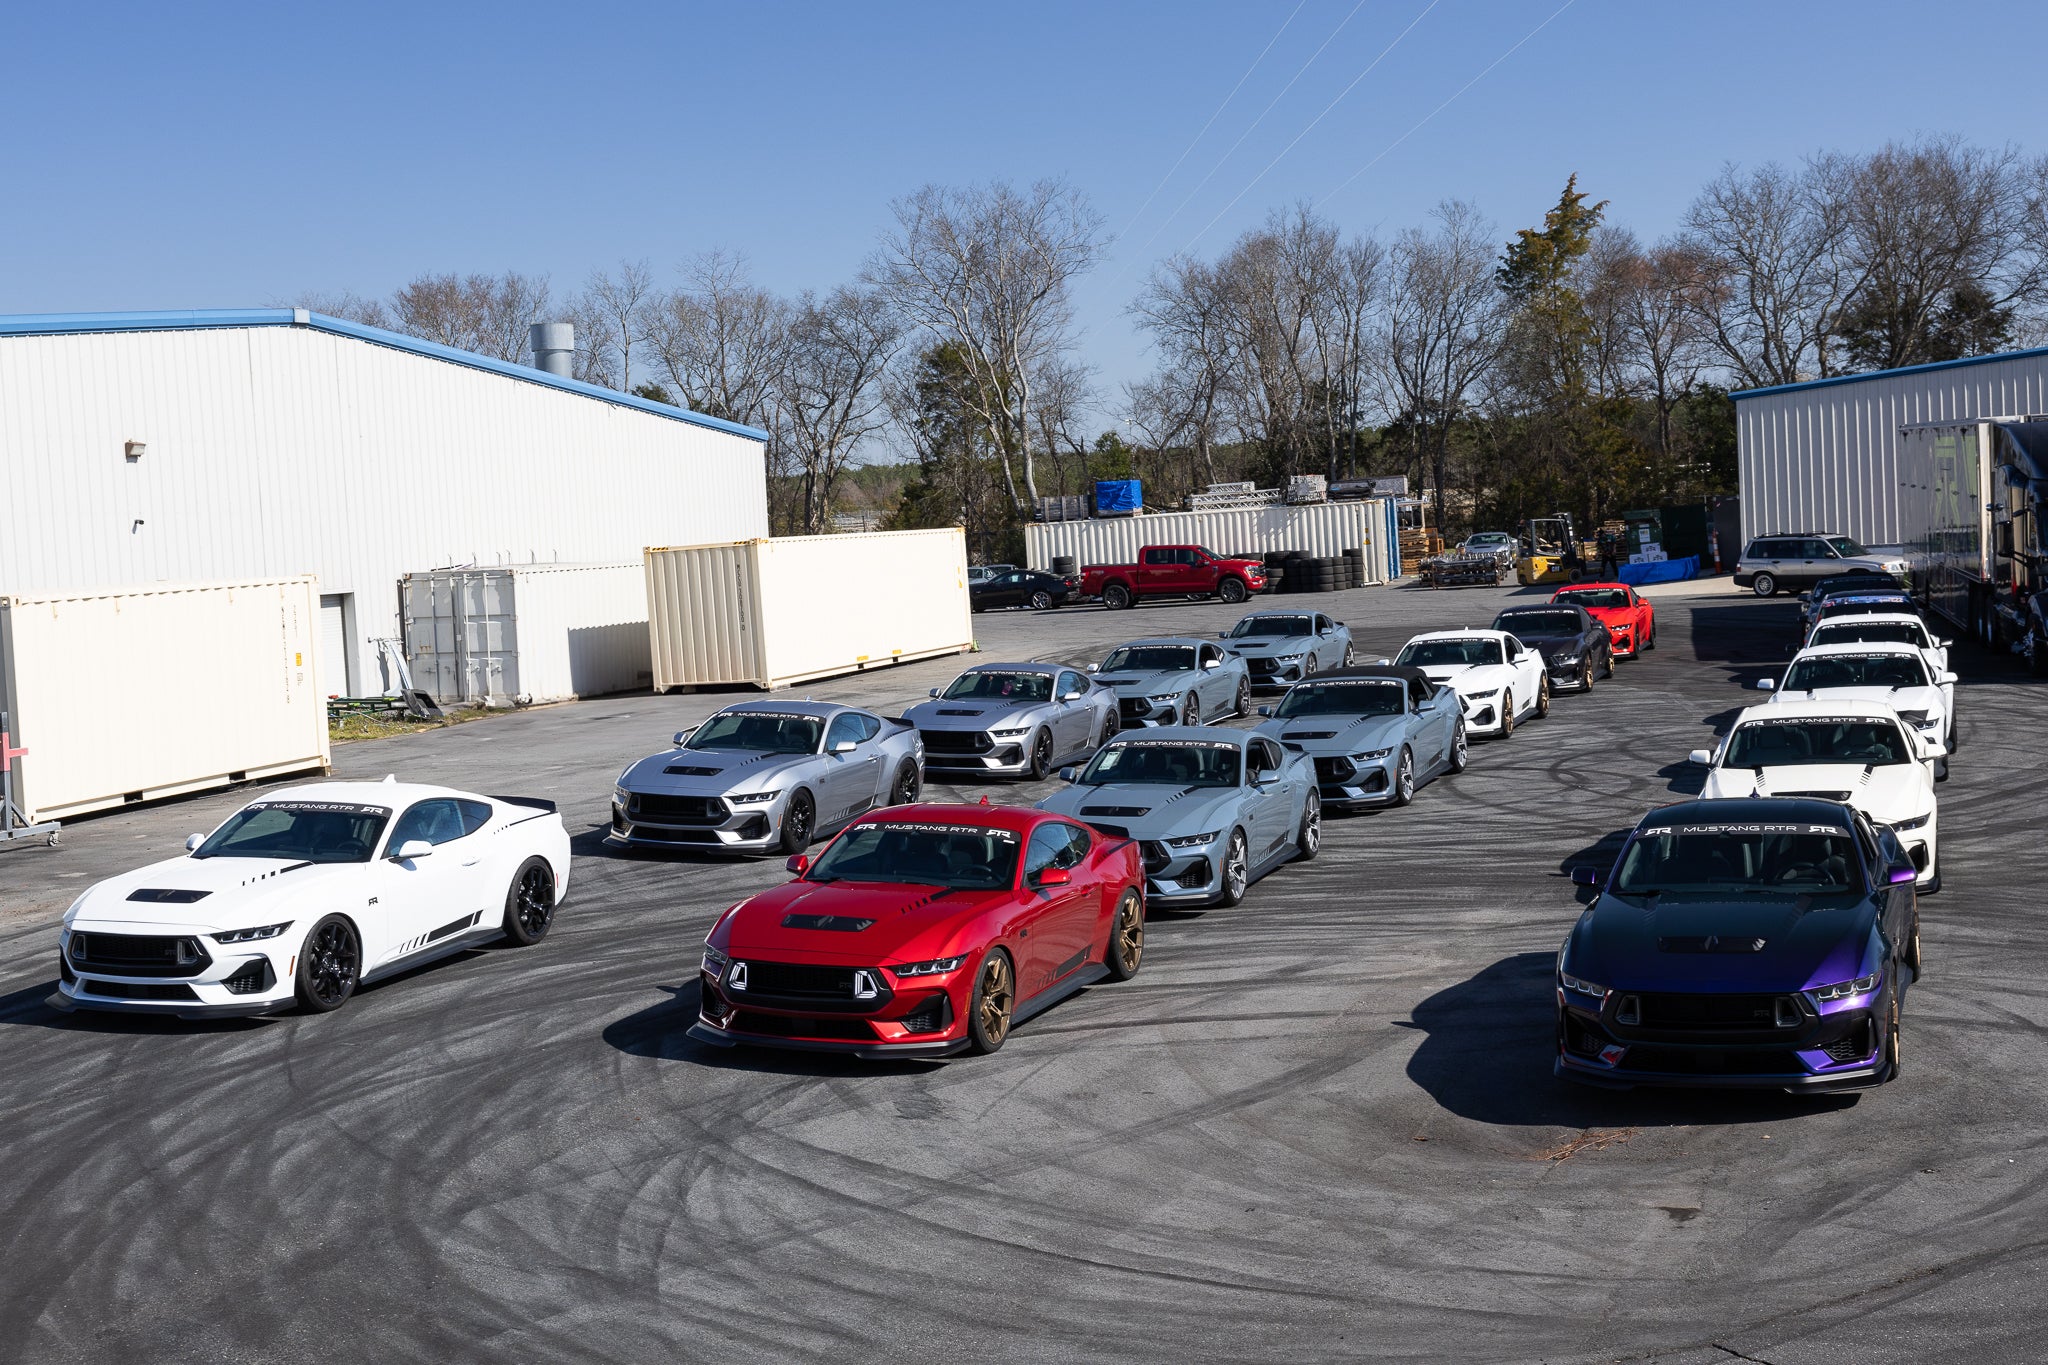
(135, 450)
(136, 527)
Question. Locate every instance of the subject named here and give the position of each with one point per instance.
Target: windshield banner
(1007, 836)
(319, 807)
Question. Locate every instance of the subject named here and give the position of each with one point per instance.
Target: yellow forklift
(1549, 552)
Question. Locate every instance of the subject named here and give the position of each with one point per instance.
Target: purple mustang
(1762, 942)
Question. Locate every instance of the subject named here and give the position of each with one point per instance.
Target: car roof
(361, 793)
(1880, 618)
(808, 709)
(1279, 611)
(1162, 640)
(971, 814)
(1212, 733)
(1531, 608)
(1743, 810)
(1462, 633)
(1857, 647)
(1820, 710)
(1034, 666)
(1577, 587)
(1393, 672)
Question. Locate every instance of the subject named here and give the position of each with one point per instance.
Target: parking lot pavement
(1319, 1125)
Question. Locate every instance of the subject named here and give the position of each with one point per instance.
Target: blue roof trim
(61, 324)
(1740, 394)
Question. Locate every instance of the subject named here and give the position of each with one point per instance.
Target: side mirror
(1582, 875)
(1223, 635)
(844, 746)
(193, 841)
(1383, 661)
(1266, 711)
(682, 737)
(1069, 774)
(1943, 644)
(413, 849)
(797, 865)
(1072, 696)
(1212, 663)
(933, 693)
(1052, 876)
(1945, 679)
(1092, 668)
(1703, 757)
(1766, 685)
(1899, 873)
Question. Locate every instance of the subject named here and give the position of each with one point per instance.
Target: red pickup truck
(1173, 571)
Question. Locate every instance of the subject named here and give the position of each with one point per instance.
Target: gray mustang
(1213, 809)
(767, 776)
(1175, 681)
(1283, 647)
(1013, 720)
(1375, 734)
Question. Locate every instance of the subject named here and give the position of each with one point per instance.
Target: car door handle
(472, 862)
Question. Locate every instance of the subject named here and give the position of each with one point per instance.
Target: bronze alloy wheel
(1507, 715)
(1543, 697)
(995, 1000)
(329, 965)
(1913, 950)
(1891, 1039)
(1126, 947)
(530, 904)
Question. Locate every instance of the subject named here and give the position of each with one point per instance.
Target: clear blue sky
(167, 156)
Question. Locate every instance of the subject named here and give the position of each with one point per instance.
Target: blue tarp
(1117, 495)
(1666, 571)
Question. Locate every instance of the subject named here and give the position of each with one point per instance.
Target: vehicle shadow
(1754, 632)
(592, 843)
(1487, 1057)
(28, 1008)
(662, 1031)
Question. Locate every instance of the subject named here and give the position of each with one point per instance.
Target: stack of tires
(1276, 569)
(1354, 568)
(1066, 566)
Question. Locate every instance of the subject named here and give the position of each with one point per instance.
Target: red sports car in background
(1630, 619)
(924, 930)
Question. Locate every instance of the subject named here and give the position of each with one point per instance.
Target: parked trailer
(526, 632)
(1318, 529)
(1972, 498)
(787, 610)
(122, 695)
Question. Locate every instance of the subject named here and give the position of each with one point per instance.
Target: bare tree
(987, 270)
(486, 314)
(830, 384)
(719, 340)
(1773, 241)
(614, 316)
(1184, 306)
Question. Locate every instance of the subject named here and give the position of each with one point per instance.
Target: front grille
(1196, 876)
(791, 1026)
(1335, 770)
(1734, 1061)
(654, 834)
(1133, 708)
(138, 990)
(1261, 667)
(1709, 1013)
(956, 741)
(792, 985)
(1156, 856)
(679, 810)
(139, 954)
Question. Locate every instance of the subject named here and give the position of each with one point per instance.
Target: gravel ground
(1320, 1125)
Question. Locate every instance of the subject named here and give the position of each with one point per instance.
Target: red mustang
(924, 930)
(1630, 619)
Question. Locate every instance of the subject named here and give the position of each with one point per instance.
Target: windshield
(1449, 653)
(303, 831)
(1528, 623)
(1871, 633)
(1001, 687)
(1848, 606)
(1855, 670)
(1808, 859)
(1487, 539)
(1596, 597)
(1171, 762)
(1845, 547)
(1150, 659)
(1272, 625)
(1856, 583)
(965, 856)
(759, 732)
(1373, 697)
(1784, 743)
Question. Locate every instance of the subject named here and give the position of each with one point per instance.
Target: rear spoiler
(540, 803)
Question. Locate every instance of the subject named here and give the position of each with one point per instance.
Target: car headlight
(1914, 823)
(1578, 985)
(934, 967)
(1371, 755)
(621, 796)
(1164, 697)
(1567, 660)
(1844, 990)
(251, 935)
(1287, 658)
(1195, 840)
(754, 798)
(1483, 696)
(715, 963)
(1011, 731)
(1917, 718)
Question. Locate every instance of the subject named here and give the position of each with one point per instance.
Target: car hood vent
(1817, 796)
(1310, 734)
(686, 770)
(837, 924)
(167, 895)
(1709, 943)
(1132, 812)
(958, 711)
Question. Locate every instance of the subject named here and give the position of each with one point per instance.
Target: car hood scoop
(1310, 734)
(167, 895)
(691, 770)
(961, 711)
(1131, 811)
(854, 923)
(1710, 943)
(831, 924)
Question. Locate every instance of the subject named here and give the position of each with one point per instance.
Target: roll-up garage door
(334, 644)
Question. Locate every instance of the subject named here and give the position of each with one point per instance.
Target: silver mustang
(1283, 647)
(1375, 734)
(1013, 720)
(767, 775)
(1213, 809)
(1175, 681)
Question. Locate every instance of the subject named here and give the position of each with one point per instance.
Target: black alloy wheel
(799, 822)
(1243, 704)
(1231, 590)
(1507, 714)
(1763, 585)
(1116, 597)
(908, 783)
(330, 965)
(1041, 600)
(1404, 778)
(1543, 696)
(1237, 870)
(530, 903)
(994, 1003)
(1651, 643)
(1041, 756)
(1308, 840)
(1125, 950)
(1110, 724)
(1461, 749)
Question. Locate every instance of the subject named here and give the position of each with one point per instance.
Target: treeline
(1564, 366)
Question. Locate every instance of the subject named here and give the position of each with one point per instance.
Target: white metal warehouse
(1824, 455)
(204, 446)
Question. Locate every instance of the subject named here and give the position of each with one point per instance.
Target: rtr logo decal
(1612, 1054)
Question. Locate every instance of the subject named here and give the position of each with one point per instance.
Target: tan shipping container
(793, 608)
(131, 694)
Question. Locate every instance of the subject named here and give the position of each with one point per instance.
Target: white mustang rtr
(305, 893)
(1895, 674)
(1498, 679)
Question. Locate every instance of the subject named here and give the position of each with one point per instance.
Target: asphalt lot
(1321, 1125)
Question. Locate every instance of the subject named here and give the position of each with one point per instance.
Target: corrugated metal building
(193, 447)
(1824, 456)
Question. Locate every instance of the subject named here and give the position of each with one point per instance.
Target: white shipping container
(125, 695)
(527, 633)
(786, 610)
(1322, 529)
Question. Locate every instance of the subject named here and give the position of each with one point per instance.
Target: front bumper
(1132, 712)
(1622, 642)
(262, 982)
(977, 751)
(923, 1016)
(1348, 784)
(1272, 675)
(1192, 876)
(1838, 1050)
(1483, 715)
(722, 827)
(1569, 677)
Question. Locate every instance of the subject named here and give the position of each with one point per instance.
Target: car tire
(1912, 954)
(1607, 664)
(1543, 697)
(1892, 1046)
(1586, 675)
(1110, 725)
(1651, 641)
(1404, 779)
(993, 1005)
(1461, 750)
(1350, 655)
(909, 782)
(1116, 597)
(1041, 600)
(330, 965)
(1308, 840)
(799, 822)
(1308, 666)
(1124, 953)
(1764, 585)
(1231, 590)
(1507, 714)
(1243, 703)
(1237, 870)
(1191, 711)
(530, 902)
(1041, 756)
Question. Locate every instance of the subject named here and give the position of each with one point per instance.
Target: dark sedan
(1843, 585)
(1023, 588)
(1574, 643)
(1762, 942)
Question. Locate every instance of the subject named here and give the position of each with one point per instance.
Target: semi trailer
(1971, 498)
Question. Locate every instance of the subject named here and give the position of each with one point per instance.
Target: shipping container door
(333, 659)
(488, 637)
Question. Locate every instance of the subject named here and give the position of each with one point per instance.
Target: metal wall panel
(157, 691)
(1317, 528)
(1826, 457)
(284, 450)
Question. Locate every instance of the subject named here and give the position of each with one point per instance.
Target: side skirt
(433, 952)
(1059, 990)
